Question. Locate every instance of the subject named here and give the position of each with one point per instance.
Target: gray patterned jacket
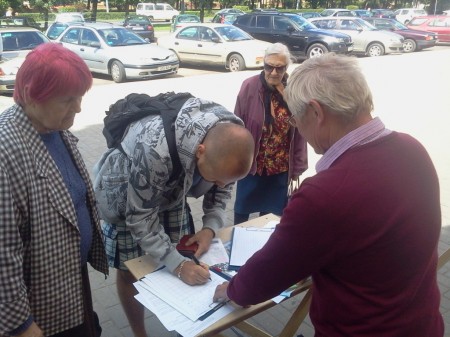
(146, 191)
(40, 271)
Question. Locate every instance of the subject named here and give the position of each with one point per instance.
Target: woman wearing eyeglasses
(281, 155)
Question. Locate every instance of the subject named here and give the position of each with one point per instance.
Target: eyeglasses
(269, 68)
(292, 122)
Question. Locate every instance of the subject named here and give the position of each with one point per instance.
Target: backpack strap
(173, 103)
(168, 119)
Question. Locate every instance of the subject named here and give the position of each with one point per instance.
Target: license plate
(138, 28)
(162, 68)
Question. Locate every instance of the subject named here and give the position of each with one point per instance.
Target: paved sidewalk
(426, 118)
(113, 319)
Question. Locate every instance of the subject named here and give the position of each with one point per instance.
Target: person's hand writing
(203, 238)
(220, 295)
(32, 331)
(193, 274)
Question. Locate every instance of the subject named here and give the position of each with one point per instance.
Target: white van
(158, 11)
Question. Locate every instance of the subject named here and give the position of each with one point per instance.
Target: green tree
(16, 6)
(44, 7)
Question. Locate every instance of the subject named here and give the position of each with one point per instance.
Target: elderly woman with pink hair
(49, 226)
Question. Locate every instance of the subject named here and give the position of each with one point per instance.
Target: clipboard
(246, 241)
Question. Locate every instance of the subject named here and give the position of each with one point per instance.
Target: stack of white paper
(247, 241)
(178, 305)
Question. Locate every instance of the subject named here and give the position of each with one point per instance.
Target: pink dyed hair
(50, 70)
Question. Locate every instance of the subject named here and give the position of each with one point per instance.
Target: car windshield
(69, 18)
(417, 21)
(362, 12)
(142, 20)
(301, 22)
(120, 37)
(365, 25)
(327, 12)
(22, 40)
(399, 25)
(189, 18)
(231, 33)
(56, 30)
(230, 17)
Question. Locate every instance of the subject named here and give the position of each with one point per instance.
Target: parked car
(382, 13)
(183, 20)
(158, 11)
(302, 38)
(216, 44)
(308, 15)
(367, 39)
(415, 40)
(55, 29)
(22, 21)
(114, 50)
(8, 72)
(362, 13)
(140, 25)
(265, 10)
(404, 15)
(336, 12)
(439, 24)
(230, 10)
(62, 21)
(69, 17)
(15, 43)
(19, 41)
(227, 18)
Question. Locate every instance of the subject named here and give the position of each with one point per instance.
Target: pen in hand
(197, 262)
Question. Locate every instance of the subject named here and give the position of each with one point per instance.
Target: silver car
(367, 39)
(114, 50)
(216, 44)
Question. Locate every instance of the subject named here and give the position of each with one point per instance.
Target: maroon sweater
(367, 230)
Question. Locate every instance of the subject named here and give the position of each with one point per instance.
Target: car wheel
(316, 49)
(236, 63)
(117, 72)
(375, 49)
(409, 46)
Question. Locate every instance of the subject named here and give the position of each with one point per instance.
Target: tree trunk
(94, 11)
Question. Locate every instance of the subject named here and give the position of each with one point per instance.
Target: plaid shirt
(40, 251)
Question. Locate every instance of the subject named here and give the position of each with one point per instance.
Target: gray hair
(336, 81)
(279, 48)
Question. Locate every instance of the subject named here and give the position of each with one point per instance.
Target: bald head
(227, 151)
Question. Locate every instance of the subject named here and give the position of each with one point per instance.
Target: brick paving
(424, 116)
